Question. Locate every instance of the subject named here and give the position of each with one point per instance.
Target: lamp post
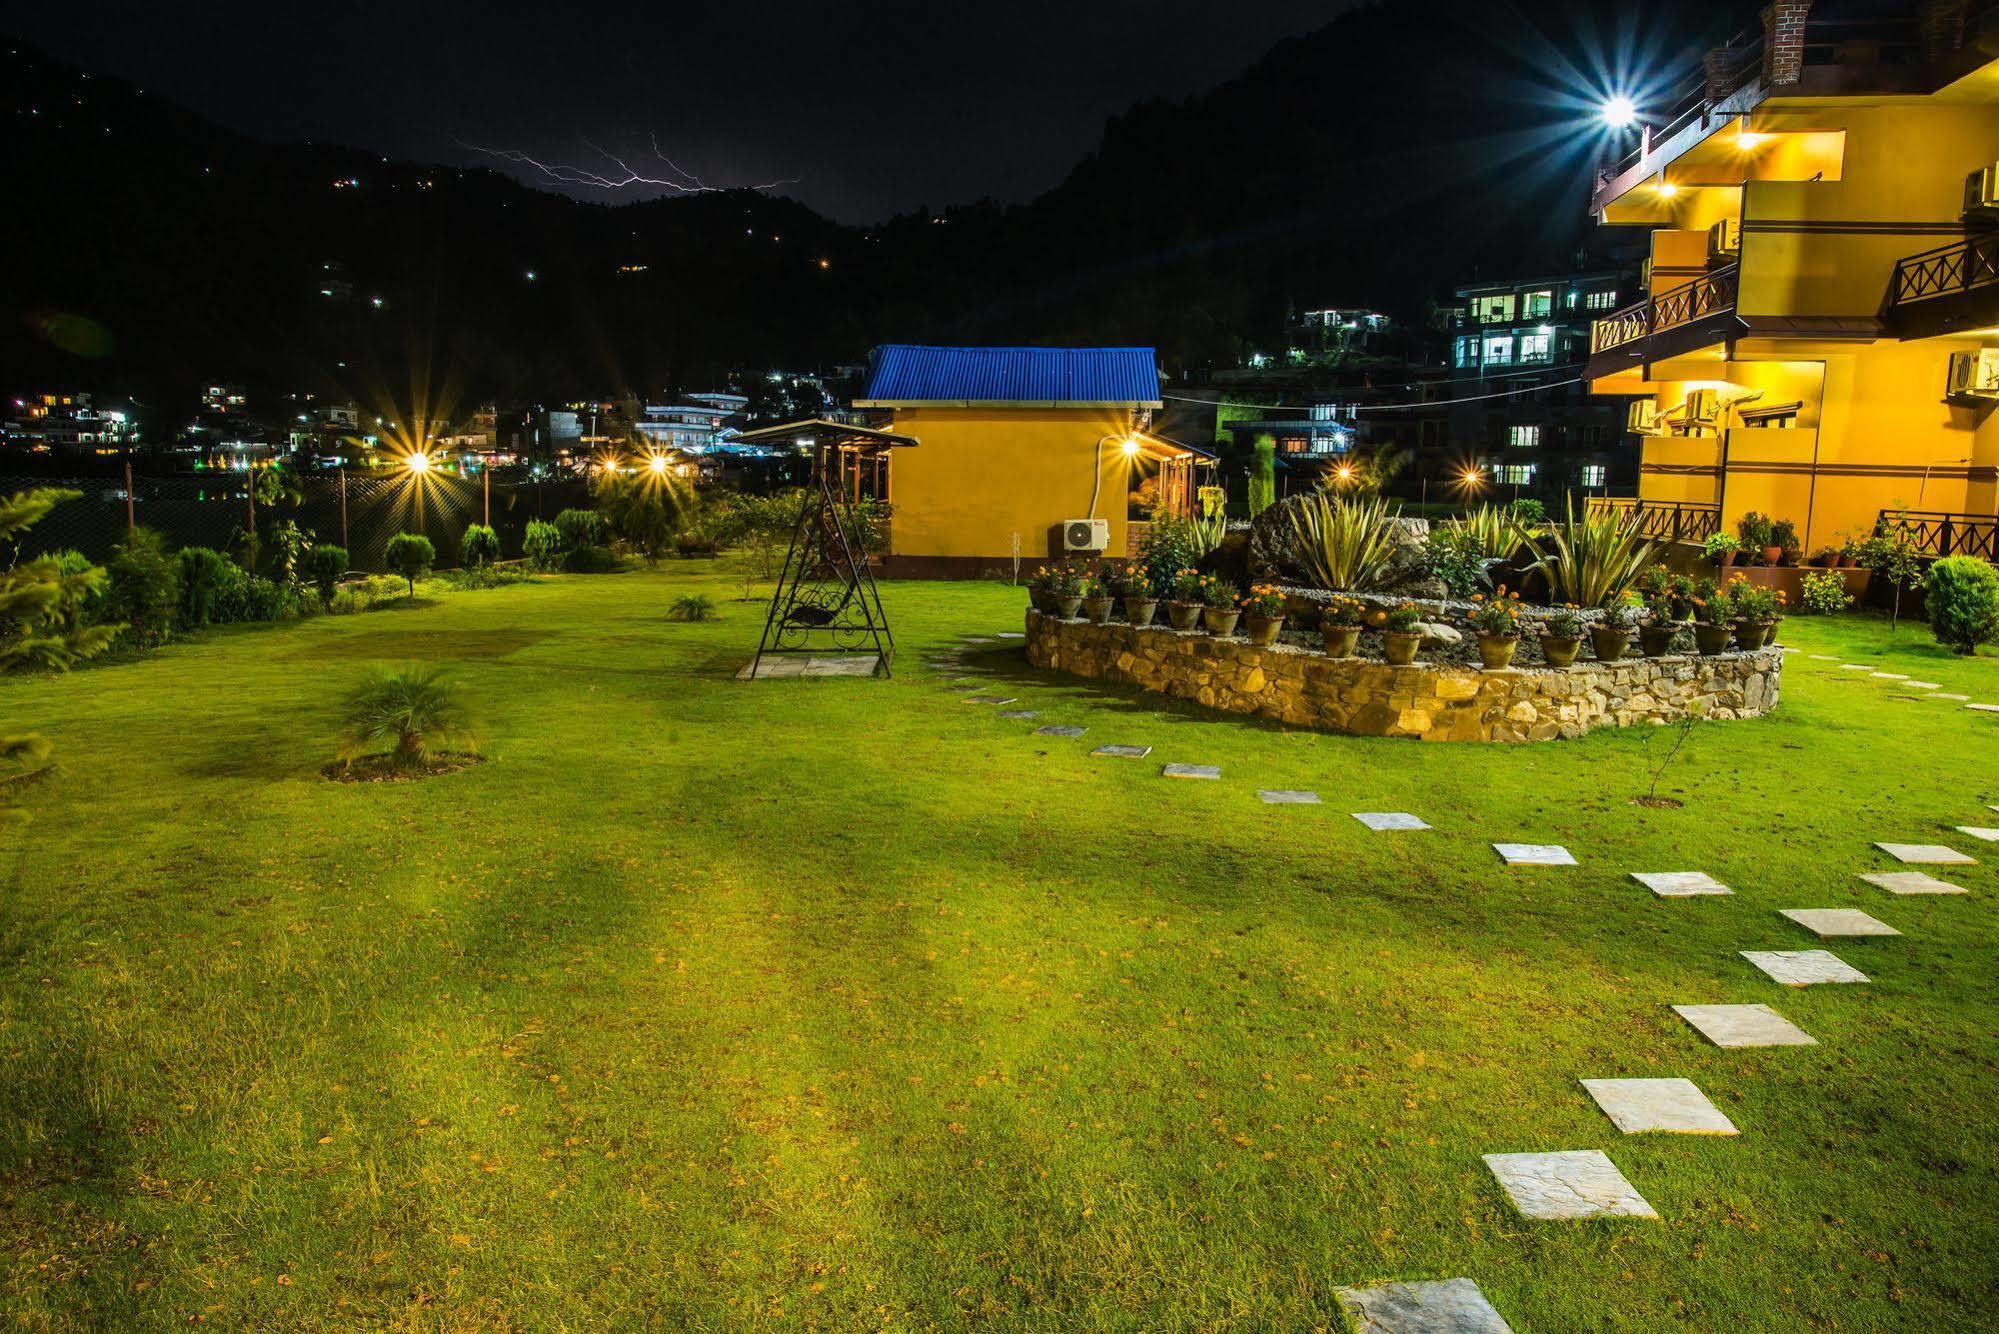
(418, 464)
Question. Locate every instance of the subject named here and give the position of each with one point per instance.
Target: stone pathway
(1573, 1183)
(1123, 752)
(1984, 708)
(988, 699)
(1856, 667)
(1979, 832)
(1285, 796)
(1020, 713)
(1060, 729)
(1891, 676)
(1912, 882)
(1387, 821)
(1676, 1106)
(1191, 771)
(1956, 699)
(1804, 968)
(1535, 854)
(1680, 884)
(1926, 854)
(1744, 1026)
(965, 685)
(1838, 922)
(1434, 1306)
(978, 639)
(1926, 685)
(1822, 657)
(789, 666)
(1011, 634)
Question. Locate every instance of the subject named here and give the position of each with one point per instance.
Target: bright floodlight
(1130, 445)
(1619, 112)
(658, 465)
(419, 462)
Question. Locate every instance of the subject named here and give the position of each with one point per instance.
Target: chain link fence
(359, 511)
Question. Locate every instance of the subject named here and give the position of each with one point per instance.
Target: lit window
(1499, 351)
(1516, 474)
(1594, 474)
(1603, 300)
(1533, 305)
(1467, 352)
(1523, 437)
(1492, 309)
(1534, 347)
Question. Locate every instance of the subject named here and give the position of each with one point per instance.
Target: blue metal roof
(908, 374)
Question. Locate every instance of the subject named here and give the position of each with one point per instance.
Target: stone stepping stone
(1955, 699)
(1838, 922)
(1744, 1026)
(989, 699)
(1926, 685)
(1676, 1106)
(965, 685)
(1011, 634)
(1434, 1306)
(1856, 667)
(1979, 832)
(1286, 796)
(1804, 968)
(1060, 729)
(1891, 676)
(1020, 713)
(1680, 884)
(1926, 854)
(1572, 1183)
(1123, 752)
(1823, 657)
(1984, 708)
(978, 639)
(1191, 771)
(1535, 854)
(1912, 882)
(1388, 821)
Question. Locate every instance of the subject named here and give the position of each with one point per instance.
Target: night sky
(867, 108)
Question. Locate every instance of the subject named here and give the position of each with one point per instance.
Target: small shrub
(1456, 556)
(580, 528)
(323, 565)
(542, 545)
(1168, 546)
(411, 556)
(692, 607)
(207, 578)
(417, 708)
(145, 587)
(589, 560)
(1962, 594)
(1824, 594)
(479, 546)
(1754, 530)
(1403, 620)
(1527, 512)
(473, 577)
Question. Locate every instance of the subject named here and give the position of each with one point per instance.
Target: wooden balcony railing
(1664, 520)
(1937, 533)
(1709, 294)
(1947, 270)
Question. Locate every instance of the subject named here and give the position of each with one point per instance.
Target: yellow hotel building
(1819, 340)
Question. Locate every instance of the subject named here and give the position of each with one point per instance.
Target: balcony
(1947, 290)
(1663, 520)
(1677, 320)
(1936, 533)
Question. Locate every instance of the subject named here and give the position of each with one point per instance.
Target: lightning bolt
(682, 181)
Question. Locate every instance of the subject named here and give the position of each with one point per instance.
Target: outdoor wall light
(1130, 446)
(658, 465)
(1619, 112)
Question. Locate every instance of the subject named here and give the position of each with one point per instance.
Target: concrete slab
(1123, 752)
(1676, 1106)
(1680, 884)
(1388, 821)
(1535, 854)
(1926, 854)
(1803, 968)
(1572, 1183)
(1191, 771)
(1285, 796)
(1838, 922)
(1912, 882)
(1744, 1026)
(1060, 729)
(1433, 1306)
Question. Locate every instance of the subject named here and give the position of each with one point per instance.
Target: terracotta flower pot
(1728, 558)
(1184, 615)
(1262, 630)
(1657, 640)
(1220, 621)
(1713, 639)
(1771, 555)
(1496, 651)
(1847, 562)
(1098, 609)
(1560, 650)
(1066, 607)
(1340, 639)
(1609, 642)
(1140, 611)
(1399, 647)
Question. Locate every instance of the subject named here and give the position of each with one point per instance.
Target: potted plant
(1757, 534)
(1713, 614)
(1263, 614)
(1220, 607)
(1097, 598)
(1561, 636)
(1041, 590)
(1065, 591)
(1401, 635)
(1721, 549)
(1497, 621)
(1183, 601)
(1340, 625)
(1755, 609)
(1133, 584)
(1849, 552)
(1611, 635)
(1661, 626)
(1784, 537)
(1826, 558)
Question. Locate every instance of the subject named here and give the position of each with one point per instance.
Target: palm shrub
(418, 708)
(1961, 594)
(323, 565)
(542, 545)
(410, 555)
(691, 607)
(478, 546)
(43, 601)
(205, 576)
(1593, 560)
(1344, 545)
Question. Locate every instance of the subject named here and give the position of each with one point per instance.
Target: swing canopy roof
(815, 432)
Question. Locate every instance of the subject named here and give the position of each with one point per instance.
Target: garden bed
(1434, 699)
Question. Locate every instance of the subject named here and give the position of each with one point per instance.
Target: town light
(1619, 112)
(658, 465)
(1667, 189)
(417, 462)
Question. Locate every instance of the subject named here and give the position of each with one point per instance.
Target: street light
(418, 462)
(658, 465)
(1619, 112)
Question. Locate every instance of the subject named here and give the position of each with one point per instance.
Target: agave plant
(1344, 544)
(1209, 530)
(419, 708)
(1593, 560)
(1495, 531)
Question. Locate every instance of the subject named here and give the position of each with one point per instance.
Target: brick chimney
(1719, 65)
(1784, 41)
(1942, 23)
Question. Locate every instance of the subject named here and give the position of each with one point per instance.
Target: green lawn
(844, 1003)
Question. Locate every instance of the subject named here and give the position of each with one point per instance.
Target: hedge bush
(1962, 597)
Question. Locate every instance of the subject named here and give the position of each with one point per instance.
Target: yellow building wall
(979, 476)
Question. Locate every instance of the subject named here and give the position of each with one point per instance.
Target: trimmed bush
(1962, 596)
(589, 560)
(323, 565)
(206, 577)
(580, 528)
(145, 587)
(542, 545)
(411, 556)
(479, 546)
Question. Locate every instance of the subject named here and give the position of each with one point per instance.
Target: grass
(843, 1003)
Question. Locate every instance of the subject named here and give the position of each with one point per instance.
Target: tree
(478, 547)
(411, 556)
(1894, 557)
(643, 509)
(1263, 476)
(324, 564)
(42, 604)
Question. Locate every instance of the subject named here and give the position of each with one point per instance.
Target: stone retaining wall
(1368, 697)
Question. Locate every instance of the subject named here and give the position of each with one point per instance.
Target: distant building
(695, 426)
(67, 423)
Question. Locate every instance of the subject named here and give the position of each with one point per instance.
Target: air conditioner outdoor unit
(1981, 194)
(1086, 534)
(1974, 374)
(1642, 417)
(1724, 239)
(1701, 407)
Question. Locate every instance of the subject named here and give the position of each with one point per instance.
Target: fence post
(1945, 535)
(486, 476)
(250, 499)
(131, 518)
(343, 513)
